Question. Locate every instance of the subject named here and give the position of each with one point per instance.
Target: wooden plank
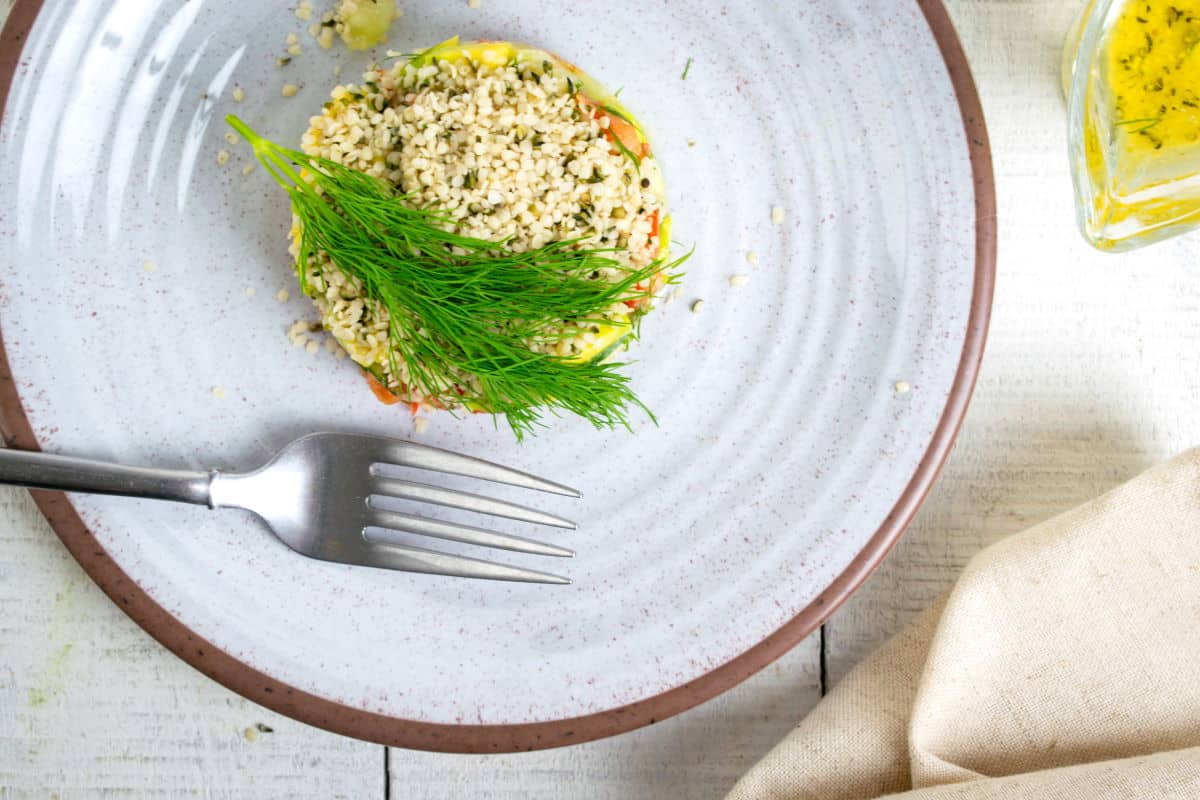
(91, 705)
(698, 754)
(89, 702)
(1089, 375)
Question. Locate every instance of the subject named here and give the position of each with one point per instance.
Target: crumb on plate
(297, 331)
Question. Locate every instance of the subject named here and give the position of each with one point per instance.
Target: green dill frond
(462, 307)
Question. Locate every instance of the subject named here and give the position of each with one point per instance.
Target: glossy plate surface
(141, 323)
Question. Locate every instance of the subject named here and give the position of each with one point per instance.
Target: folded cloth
(1065, 663)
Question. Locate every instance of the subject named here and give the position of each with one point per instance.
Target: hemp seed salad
(481, 226)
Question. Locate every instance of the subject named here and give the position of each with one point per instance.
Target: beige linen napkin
(1065, 663)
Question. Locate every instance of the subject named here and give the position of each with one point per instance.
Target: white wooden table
(1092, 374)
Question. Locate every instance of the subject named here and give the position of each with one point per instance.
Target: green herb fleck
(1142, 124)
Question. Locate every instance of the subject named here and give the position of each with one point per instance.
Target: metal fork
(320, 494)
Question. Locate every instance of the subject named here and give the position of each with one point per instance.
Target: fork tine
(407, 523)
(408, 490)
(430, 562)
(420, 456)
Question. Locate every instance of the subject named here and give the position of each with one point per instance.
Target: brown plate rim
(384, 729)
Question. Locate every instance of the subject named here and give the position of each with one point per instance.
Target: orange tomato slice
(619, 129)
(382, 393)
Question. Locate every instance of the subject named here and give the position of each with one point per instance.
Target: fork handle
(49, 471)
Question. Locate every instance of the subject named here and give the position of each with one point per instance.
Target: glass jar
(1131, 72)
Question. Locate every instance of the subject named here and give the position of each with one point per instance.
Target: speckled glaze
(785, 461)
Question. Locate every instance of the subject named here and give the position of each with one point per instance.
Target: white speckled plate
(786, 461)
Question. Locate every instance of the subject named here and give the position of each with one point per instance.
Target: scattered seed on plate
(284, 61)
(292, 39)
(239, 94)
(294, 50)
(246, 170)
(231, 137)
(697, 305)
(739, 280)
(282, 295)
(331, 344)
(250, 291)
(752, 257)
(149, 266)
(474, 3)
(250, 734)
(691, 142)
(420, 424)
(777, 215)
(290, 89)
(325, 39)
(304, 11)
(218, 392)
(222, 157)
(312, 347)
(903, 387)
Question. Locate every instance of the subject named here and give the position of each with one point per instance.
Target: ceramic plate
(141, 323)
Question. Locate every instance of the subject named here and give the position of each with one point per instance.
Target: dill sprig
(459, 307)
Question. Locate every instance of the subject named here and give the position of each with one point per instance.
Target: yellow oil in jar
(1141, 129)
